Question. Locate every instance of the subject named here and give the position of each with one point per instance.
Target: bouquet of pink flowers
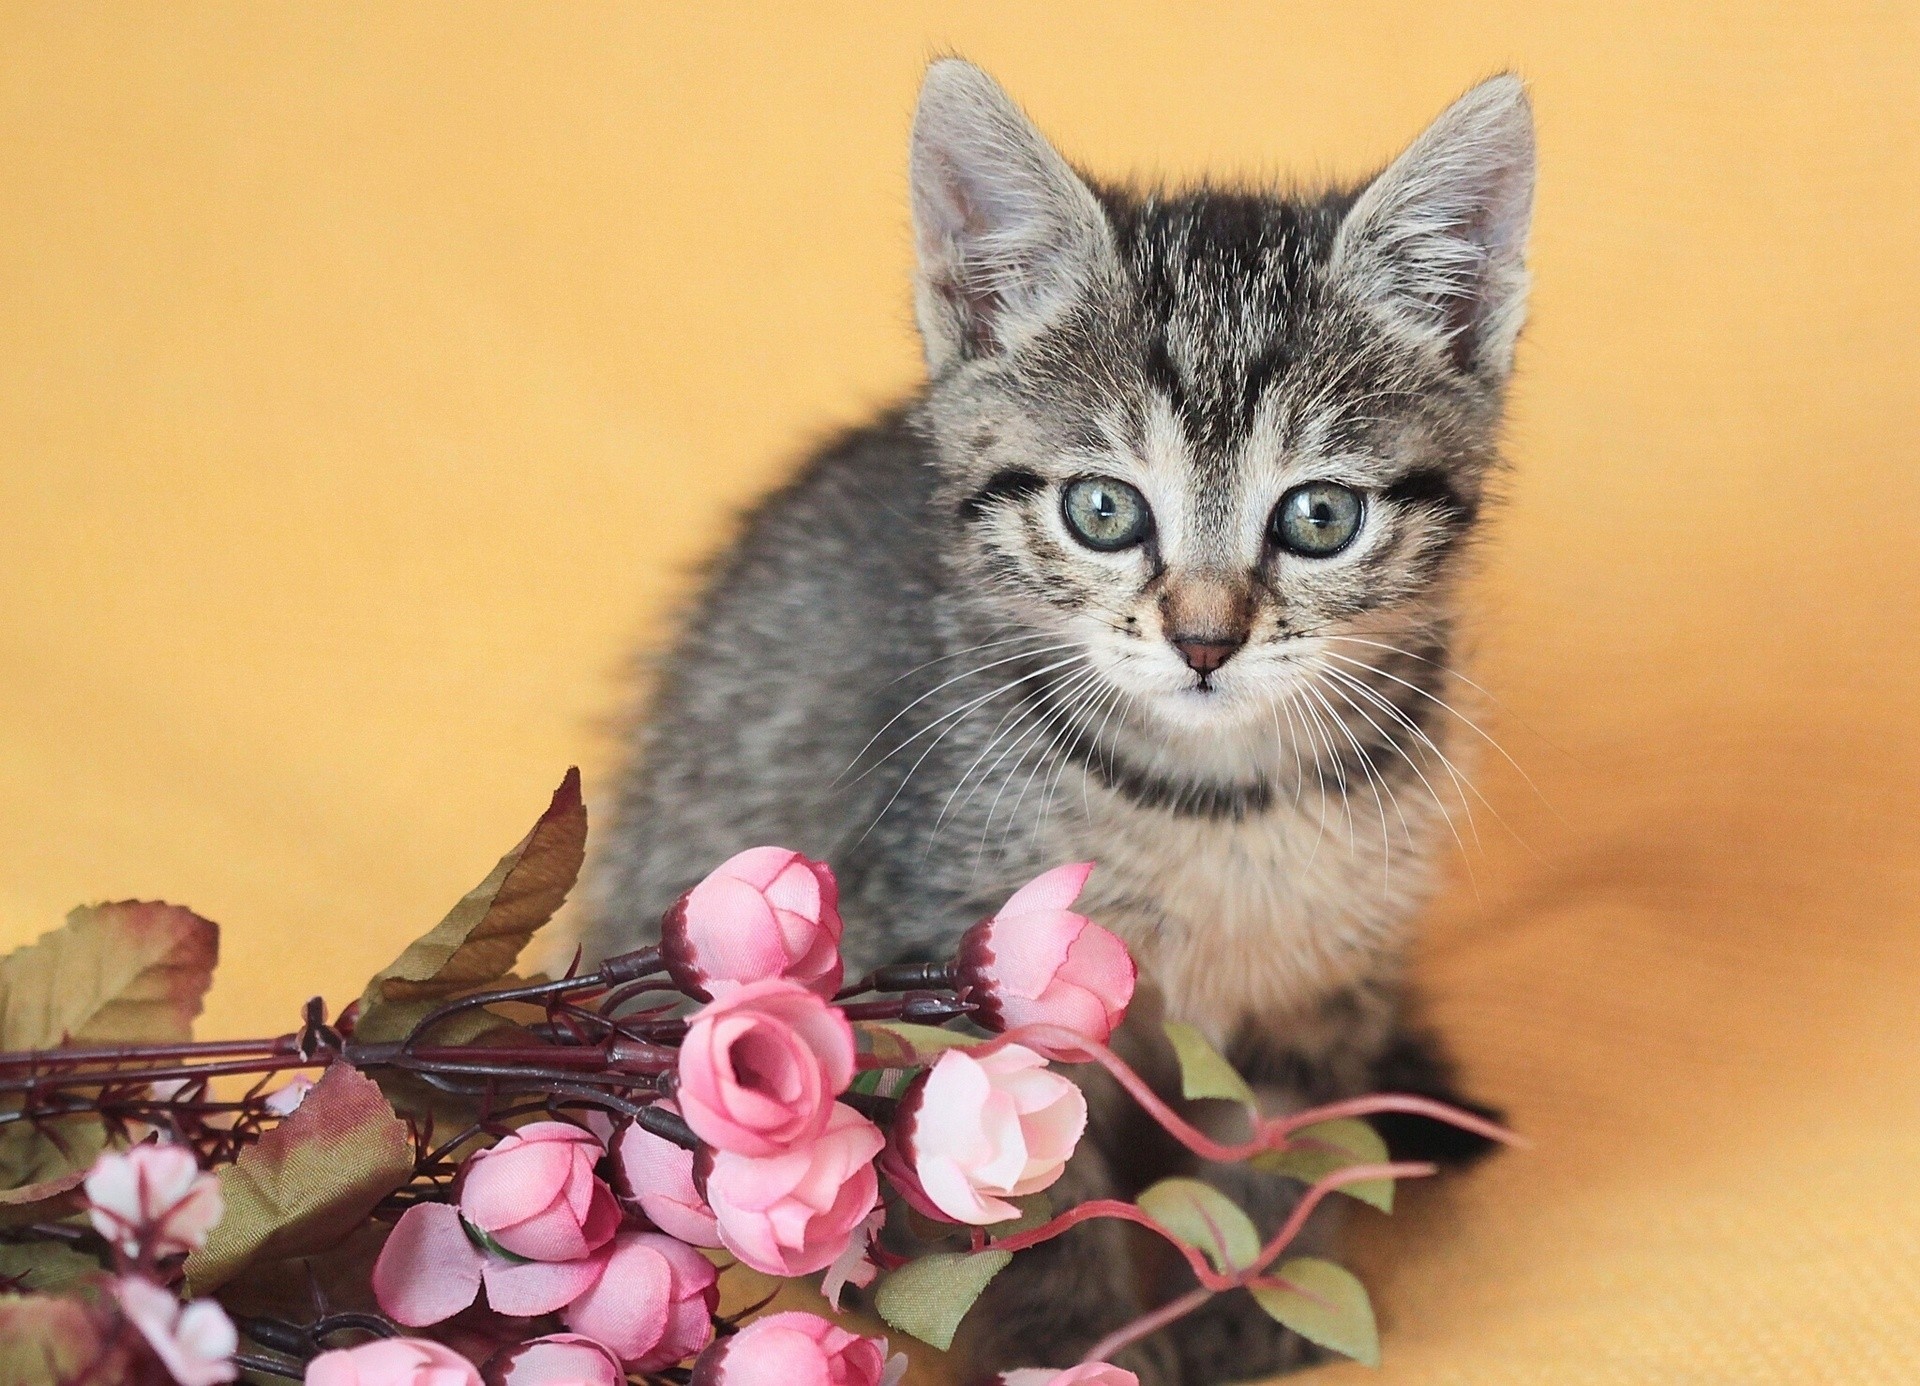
(469, 1176)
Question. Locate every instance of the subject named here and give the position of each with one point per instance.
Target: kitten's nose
(1204, 656)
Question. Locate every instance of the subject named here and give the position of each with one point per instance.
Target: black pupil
(1104, 504)
(1322, 514)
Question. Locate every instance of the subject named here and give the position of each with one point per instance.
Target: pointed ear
(1007, 234)
(1439, 240)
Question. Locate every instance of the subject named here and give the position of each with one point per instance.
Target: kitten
(1158, 570)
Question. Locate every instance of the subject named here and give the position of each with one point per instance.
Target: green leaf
(46, 1200)
(308, 1182)
(1203, 1072)
(478, 942)
(1324, 1304)
(928, 1297)
(48, 1338)
(902, 1044)
(135, 970)
(1201, 1216)
(1314, 1152)
(30, 1158)
(44, 1267)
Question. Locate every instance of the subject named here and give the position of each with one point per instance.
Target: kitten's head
(1197, 438)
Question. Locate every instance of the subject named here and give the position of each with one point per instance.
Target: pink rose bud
(972, 1133)
(536, 1195)
(794, 1349)
(559, 1359)
(766, 912)
(1086, 1374)
(794, 1213)
(195, 1342)
(1038, 963)
(154, 1196)
(654, 1306)
(658, 1175)
(392, 1362)
(760, 1067)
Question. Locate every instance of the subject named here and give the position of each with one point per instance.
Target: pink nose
(1204, 656)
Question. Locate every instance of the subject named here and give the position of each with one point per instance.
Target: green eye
(1105, 514)
(1317, 520)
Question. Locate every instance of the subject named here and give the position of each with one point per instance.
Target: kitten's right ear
(1007, 234)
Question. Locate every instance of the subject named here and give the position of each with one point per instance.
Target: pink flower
(285, 1100)
(536, 1195)
(972, 1133)
(794, 1213)
(195, 1342)
(430, 1270)
(766, 912)
(658, 1175)
(1038, 963)
(853, 1266)
(760, 1067)
(153, 1196)
(653, 1306)
(560, 1359)
(392, 1362)
(1086, 1374)
(796, 1349)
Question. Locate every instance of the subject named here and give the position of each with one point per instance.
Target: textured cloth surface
(372, 374)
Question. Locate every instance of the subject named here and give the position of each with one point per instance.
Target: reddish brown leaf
(478, 942)
(308, 1182)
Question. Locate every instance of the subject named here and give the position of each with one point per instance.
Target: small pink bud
(658, 1175)
(393, 1362)
(153, 1196)
(794, 1213)
(792, 1348)
(766, 912)
(972, 1133)
(1038, 963)
(761, 1066)
(559, 1359)
(654, 1306)
(535, 1193)
(195, 1342)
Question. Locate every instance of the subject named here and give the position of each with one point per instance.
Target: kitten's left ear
(1007, 233)
(1439, 239)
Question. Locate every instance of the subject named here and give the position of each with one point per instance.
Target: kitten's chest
(1251, 919)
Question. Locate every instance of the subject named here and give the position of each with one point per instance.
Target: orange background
(371, 376)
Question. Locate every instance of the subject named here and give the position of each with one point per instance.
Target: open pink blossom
(760, 1067)
(658, 1175)
(559, 1359)
(195, 1342)
(794, 1213)
(766, 912)
(392, 1362)
(1037, 962)
(535, 1193)
(653, 1306)
(429, 1270)
(797, 1349)
(154, 1196)
(1086, 1374)
(973, 1133)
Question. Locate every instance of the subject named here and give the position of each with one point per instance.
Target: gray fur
(907, 666)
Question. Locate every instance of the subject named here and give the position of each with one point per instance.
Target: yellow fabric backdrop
(371, 375)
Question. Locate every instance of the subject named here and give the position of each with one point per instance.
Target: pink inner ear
(1051, 890)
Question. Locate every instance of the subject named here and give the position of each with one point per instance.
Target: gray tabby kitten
(1158, 570)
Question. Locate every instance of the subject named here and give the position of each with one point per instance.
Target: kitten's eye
(1105, 514)
(1317, 520)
